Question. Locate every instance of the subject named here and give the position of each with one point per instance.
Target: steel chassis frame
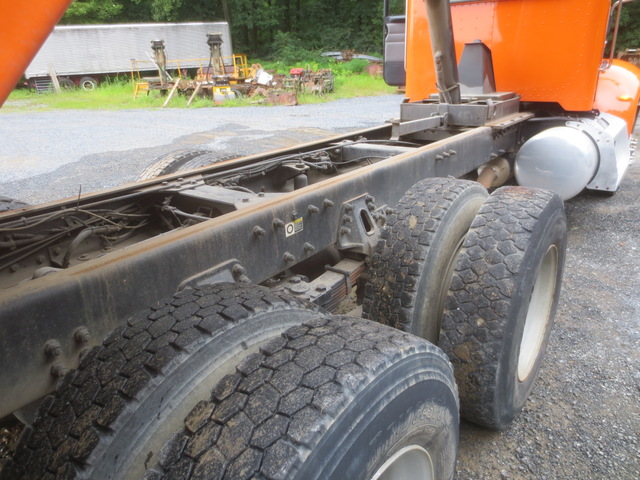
(45, 322)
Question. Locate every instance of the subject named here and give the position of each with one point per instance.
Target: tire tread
(401, 254)
(479, 298)
(90, 402)
(267, 416)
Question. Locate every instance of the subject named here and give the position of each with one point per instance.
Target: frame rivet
(82, 335)
(52, 348)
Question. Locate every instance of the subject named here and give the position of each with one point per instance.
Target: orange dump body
(544, 50)
(24, 26)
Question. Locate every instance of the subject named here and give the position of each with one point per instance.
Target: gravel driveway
(583, 418)
(51, 155)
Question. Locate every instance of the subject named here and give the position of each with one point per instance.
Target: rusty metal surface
(276, 97)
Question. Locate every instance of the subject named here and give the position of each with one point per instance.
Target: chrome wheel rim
(410, 463)
(538, 314)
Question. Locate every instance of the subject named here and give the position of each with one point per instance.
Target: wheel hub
(410, 463)
(538, 314)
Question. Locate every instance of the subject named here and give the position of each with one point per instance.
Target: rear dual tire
(334, 398)
(180, 161)
(413, 262)
(495, 263)
(109, 418)
(502, 302)
(331, 398)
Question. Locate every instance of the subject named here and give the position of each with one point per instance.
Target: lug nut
(52, 348)
(82, 335)
(237, 270)
(58, 370)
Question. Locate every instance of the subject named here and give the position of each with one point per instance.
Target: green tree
(308, 24)
(166, 10)
(629, 33)
(92, 11)
(298, 25)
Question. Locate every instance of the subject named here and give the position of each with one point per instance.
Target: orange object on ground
(24, 26)
(544, 50)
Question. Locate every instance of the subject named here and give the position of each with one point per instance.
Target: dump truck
(190, 325)
(84, 55)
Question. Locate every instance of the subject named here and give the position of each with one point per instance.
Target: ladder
(43, 84)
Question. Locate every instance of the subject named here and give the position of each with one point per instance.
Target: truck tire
(502, 301)
(109, 418)
(335, 398)
(413, 262)
(180, 161)
(7, 204)
(88, 83)
(66, 83)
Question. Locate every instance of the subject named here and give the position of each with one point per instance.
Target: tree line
(263, 27)
(258, 27)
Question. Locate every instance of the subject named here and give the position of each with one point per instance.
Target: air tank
(561, 159)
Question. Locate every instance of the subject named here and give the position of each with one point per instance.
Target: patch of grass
(108, 96)
(361, 85)
(117, 94)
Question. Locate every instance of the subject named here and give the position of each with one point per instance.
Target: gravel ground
(51, 155)
(583, 417)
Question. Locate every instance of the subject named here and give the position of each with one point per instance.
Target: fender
(618, 92)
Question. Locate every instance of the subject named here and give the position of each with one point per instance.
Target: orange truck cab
(548, 54)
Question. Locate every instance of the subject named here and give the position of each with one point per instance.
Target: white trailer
(85, 54)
